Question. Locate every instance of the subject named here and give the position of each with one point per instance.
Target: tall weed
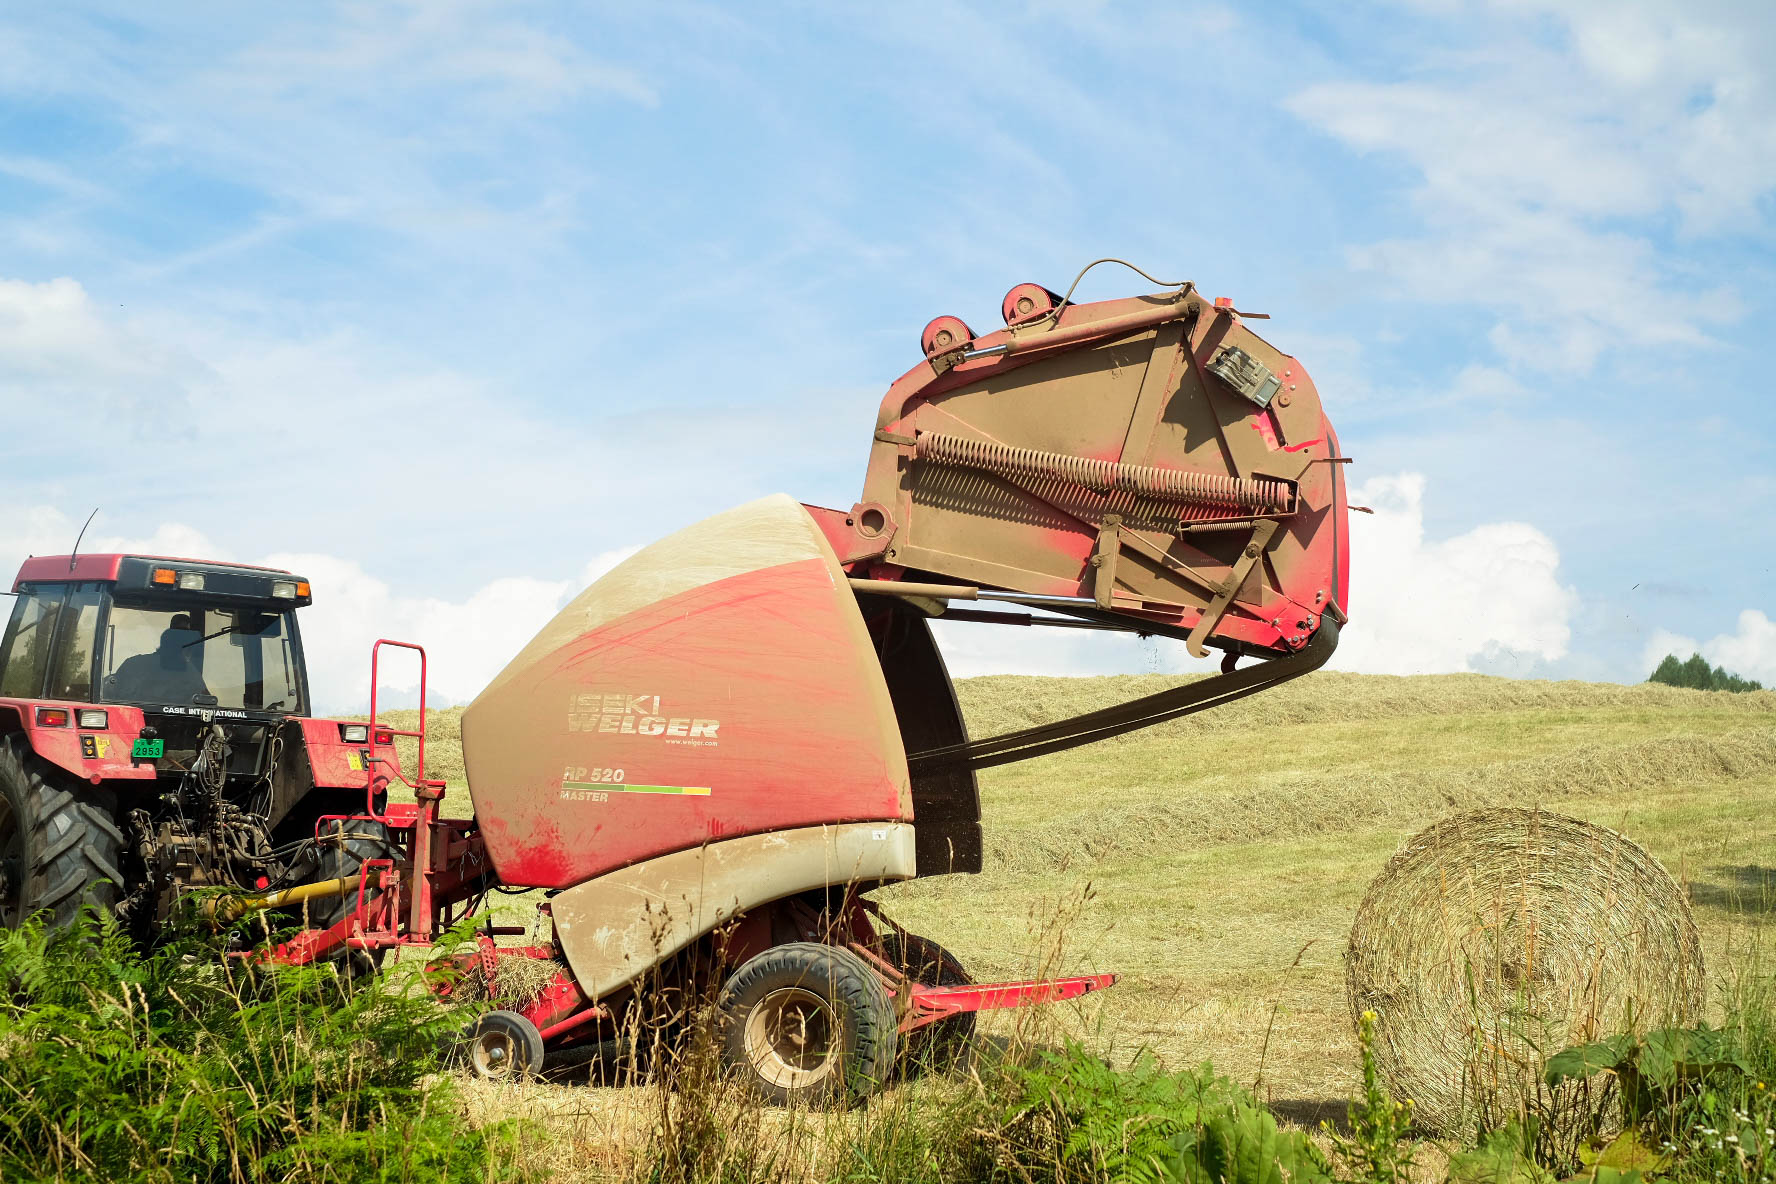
(1075, 1117)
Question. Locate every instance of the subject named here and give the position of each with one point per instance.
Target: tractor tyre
(59, 841)
(504, 1045)
(943, 1043)
(369, 840)
(806, 1023)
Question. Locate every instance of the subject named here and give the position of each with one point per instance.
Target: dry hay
(1001, 702)
(1292, 802)
(1497, 937)
(519, 981)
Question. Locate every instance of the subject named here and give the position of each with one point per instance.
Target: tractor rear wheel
(59, 842)
(349, 845)
(942, 1043)
(352, 844)
(808, 1023)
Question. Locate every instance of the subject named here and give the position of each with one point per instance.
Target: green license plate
(147, 749)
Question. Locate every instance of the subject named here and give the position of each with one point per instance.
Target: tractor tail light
(384, 736)
(52, 717)
(165, 575)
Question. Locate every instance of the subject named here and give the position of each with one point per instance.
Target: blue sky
(451, 303)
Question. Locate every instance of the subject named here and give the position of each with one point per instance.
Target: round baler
(713, 754)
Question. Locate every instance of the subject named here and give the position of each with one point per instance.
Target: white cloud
(475, 46)
(466, 641)
(1554, 151)
(1749, 651)
(1420, 606)
(971, 648)
(56, 344)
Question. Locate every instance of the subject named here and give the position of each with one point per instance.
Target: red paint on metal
(574, 1021)
(1027, 302)
(420, 735)
(751, 688)
(331, 758)
(836, 525)
(930, 1004)
(1266, 428)
(60, 746)
(49, 569)
(942, 334)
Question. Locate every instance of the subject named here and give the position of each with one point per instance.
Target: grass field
(1216, 862)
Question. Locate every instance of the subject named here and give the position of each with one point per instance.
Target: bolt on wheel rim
(495, 1054)
(790, 1038)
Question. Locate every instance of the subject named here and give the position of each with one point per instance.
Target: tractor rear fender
(615, 928)
(337, 764)
(95, 754)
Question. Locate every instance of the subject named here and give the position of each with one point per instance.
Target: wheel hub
(494, 1054)
(790, 1038)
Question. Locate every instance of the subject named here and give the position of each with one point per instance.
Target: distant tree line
(1698, 675)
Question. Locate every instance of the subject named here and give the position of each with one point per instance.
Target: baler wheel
(59, 842)
(503, 1045)
(808, 1023)
(940, 1044)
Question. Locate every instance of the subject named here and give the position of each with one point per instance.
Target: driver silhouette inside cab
(168, 675)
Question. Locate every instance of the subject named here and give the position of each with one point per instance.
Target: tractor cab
(173, 692)
(174, 637)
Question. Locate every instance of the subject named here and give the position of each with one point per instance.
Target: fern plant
(176, 1065)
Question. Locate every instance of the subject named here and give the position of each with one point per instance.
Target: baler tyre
(808, 1023)
(943, 1043)
(59, 841)
(502, 1045)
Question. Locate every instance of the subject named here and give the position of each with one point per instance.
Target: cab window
(203, 656)
(71, 670)
(24, 653)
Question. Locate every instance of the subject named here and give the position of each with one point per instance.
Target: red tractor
(155, 736)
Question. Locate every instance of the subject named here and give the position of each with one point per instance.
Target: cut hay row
(1300, 804)
(1000, 703)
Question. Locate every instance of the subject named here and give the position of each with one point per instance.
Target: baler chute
(748, 725)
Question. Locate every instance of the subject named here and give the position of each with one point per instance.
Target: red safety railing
(419, 777)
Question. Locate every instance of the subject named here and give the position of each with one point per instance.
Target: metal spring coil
(1105, 476)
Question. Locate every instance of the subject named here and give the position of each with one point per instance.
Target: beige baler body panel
(620, 925)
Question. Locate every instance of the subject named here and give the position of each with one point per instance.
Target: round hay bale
(1498, 937)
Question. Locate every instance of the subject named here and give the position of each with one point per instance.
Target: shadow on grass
(603, 1062)
(1308, 1113)
(1745, 889)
